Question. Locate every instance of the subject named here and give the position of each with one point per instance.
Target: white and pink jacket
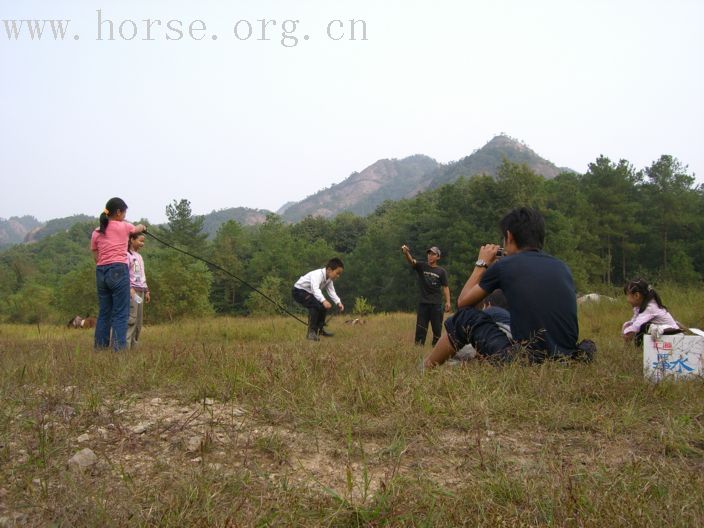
(652, 314)
(138, 278)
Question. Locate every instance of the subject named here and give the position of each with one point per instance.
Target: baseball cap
(435, 250)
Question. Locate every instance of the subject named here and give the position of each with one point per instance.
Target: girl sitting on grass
(647, 310)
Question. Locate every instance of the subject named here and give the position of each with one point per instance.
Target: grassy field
(241, 422)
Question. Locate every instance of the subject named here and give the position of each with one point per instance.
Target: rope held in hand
(272, 301)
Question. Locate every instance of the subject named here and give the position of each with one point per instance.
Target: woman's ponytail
(113, 205)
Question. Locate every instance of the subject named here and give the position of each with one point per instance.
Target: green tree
(9, 282)
(612, 191)
(228, 250)
(312, 229)
(20, 262)
(672, 205)
(519, 186)
(561, 240)
(345, 230)
(275, 289)
(81, 232)
(567, 219)
(274, 251)
(183, 228)
(31, 304)
(376, 269)
(179, 286)
(76, 293)
(277, 252)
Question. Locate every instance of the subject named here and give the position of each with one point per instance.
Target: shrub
(362, 307)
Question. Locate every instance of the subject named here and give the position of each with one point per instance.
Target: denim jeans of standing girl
(113, 284)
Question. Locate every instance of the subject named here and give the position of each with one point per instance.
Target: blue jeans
(113, 283)
(475, 327)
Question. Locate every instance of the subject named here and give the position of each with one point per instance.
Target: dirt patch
(148, 440)
(147, 432)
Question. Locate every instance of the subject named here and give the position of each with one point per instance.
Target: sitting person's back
(541, 297)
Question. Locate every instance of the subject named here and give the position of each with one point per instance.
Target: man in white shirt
(308, 291)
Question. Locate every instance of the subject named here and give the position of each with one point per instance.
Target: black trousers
(428, 313)
(316, 310)
(645, 330)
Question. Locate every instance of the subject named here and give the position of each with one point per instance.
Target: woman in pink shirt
(112, 276)
(647, 310)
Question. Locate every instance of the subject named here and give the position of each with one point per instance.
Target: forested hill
(15, 229)
(57, 225)
(612, 223)
(28, 229)
(242, 215)
(395, 179)
(489, 158)
(362, 192)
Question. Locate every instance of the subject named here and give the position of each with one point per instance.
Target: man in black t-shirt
(541, 298)
(432, 281)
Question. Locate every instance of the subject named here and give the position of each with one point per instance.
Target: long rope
(272, 301)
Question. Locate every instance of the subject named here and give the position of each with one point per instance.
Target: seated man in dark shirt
(540, 294)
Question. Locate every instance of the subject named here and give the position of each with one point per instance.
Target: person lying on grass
(541, 298)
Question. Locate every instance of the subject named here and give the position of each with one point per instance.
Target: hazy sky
(244, 121)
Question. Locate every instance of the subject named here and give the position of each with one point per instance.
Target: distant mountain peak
(489, 158)
(362, 192)
(506, 141)
(394, 179)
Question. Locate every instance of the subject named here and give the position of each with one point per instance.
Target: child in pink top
(112, 278)
(139, 291)
(647, 310)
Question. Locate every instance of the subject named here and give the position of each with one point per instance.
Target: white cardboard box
(677, 356)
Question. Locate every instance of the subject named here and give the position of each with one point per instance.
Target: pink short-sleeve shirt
(112, 245)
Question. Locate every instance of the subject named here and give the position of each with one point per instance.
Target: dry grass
(240, 422)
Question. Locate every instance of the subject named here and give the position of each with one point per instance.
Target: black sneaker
(323, 333)
(312, 336)
(586, 351)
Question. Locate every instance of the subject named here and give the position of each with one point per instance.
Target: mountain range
(17, 230)
(360, 193)
(393, 179)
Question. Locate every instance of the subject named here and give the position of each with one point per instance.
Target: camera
(500, 252)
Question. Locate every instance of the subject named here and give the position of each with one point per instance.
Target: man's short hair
(335, 263)
(527, 227)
